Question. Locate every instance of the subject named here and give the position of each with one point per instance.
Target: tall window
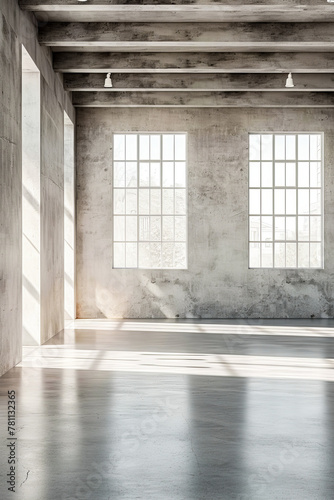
(285, 200)
(150, 206)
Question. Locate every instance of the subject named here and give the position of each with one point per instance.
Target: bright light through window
(285, 201)
(150, 203)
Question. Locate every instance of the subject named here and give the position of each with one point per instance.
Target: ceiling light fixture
(289, 81)
(107, 81)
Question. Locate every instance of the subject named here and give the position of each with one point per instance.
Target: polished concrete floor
(162, 410)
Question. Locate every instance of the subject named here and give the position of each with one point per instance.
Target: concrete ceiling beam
(205, 99)
(209, 82)
(73, 62)
(120, 12)
(182, 37)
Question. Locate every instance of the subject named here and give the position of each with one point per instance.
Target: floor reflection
(173, 414)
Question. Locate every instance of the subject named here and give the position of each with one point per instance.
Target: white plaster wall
(218, 283)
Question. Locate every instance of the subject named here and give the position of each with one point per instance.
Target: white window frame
(273, 241)
(185, 188)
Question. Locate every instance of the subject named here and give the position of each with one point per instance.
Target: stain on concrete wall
(217, 283)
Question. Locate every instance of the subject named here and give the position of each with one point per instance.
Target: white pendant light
(107, 81)
(289, 81)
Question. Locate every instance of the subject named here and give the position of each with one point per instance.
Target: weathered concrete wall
(16, 28)
(218, 283)
(52, 214)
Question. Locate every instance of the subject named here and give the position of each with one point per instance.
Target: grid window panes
(150, 201)
(285, 200)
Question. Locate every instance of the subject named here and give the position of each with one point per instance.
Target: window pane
(267, 146)
(144, 228)
(180, 174)
(168, 147)
(168, 254)
(144, 147)
(303, 147)
(267, 174)
(290, 144)
(168, 228)
(315, 174)
(279, 174)
(267, 228)
(315, 228)
(303, 255)
(279, 228)
(267, 254)
(303, 201)
(131, 255)
(291, 201)
(254, 147)
(168, 201)
(119, 254)
(131, 201)
(180, 147)
(254, 201)
(291, 254)
(131, 228)
(180, 201)
(119, 174)
(254, 255)
(168, 174)
(279, 147)
(155, 175)
(144, 174)
(155, 147)
(144, 201)
(144, 255)
(254, 228)
(180, 255)
(303, 174)
(180, 228)
(303, 228)
(119, 147)
(290, 174)
(155, 198)
(155, 228)
(315, 147)
(131, 147)
(315, 201)
(254, 175)
(290, 228)
(279, 254)
(315, 255)
(119, 228)
(131, 174)
(279, 201)
(155, 255)
(267, 201)
(119, 201)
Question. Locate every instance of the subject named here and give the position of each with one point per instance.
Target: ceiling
(193, 53)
